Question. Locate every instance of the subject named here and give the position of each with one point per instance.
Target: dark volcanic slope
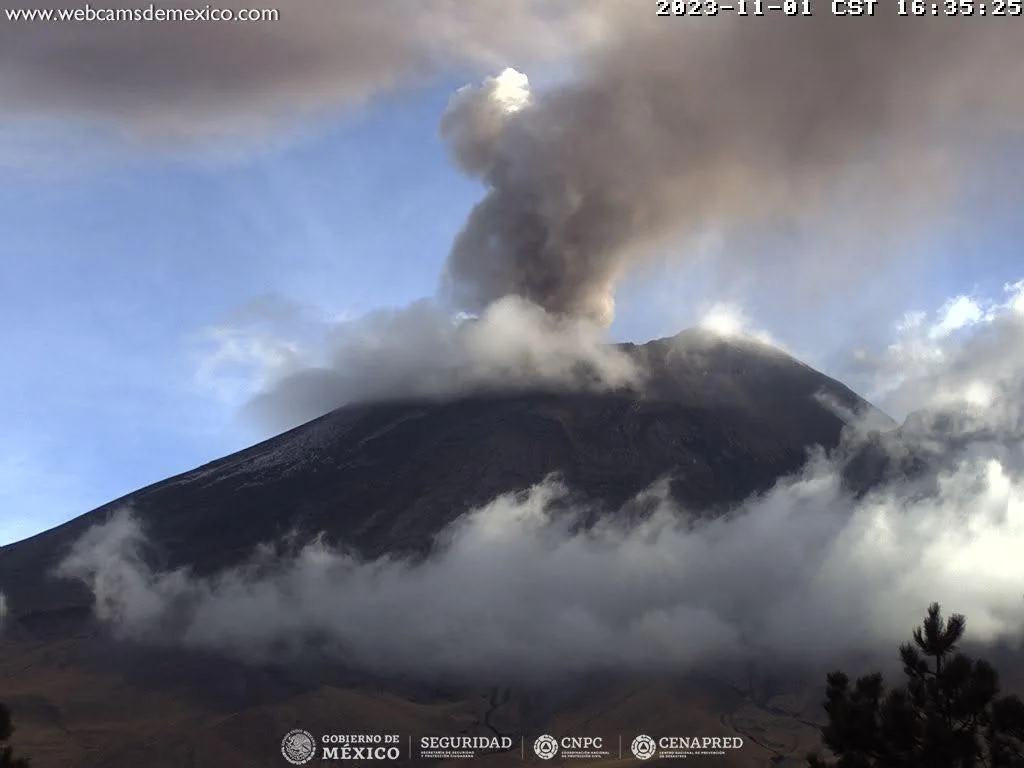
(726, 419)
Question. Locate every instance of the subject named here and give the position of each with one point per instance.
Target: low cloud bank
(803, 573)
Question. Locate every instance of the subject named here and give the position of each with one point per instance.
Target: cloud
(795, 575)
(419, 351)
(969, 350)
(804, 573)
(262, 341)
(666, 131)
(177, 80)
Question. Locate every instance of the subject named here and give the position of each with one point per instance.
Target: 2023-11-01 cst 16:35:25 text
(909, 8)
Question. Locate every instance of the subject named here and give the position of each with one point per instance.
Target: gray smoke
(419, 351)
(177, 79)
(804, 572)
(676, 125)
(662, 126)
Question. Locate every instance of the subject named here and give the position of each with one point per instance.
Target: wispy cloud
(292, 372)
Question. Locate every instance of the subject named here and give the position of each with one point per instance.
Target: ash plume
(676, 125)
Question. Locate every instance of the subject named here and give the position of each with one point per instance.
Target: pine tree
(7, 758)
(949, 714)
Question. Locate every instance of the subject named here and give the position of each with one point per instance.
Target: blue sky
(113, 268)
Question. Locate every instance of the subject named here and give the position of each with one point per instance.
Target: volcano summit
(719, 418)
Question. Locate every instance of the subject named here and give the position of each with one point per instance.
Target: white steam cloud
(805, 569)
(419, 351)
(730, 320)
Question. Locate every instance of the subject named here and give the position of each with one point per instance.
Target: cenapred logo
(298, 746)
(545, 747)
(643, 747)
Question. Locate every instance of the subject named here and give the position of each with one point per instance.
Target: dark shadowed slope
(722, 418)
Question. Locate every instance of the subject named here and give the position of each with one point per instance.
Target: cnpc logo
(547, 747)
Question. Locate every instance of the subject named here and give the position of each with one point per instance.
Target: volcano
(718, 418)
